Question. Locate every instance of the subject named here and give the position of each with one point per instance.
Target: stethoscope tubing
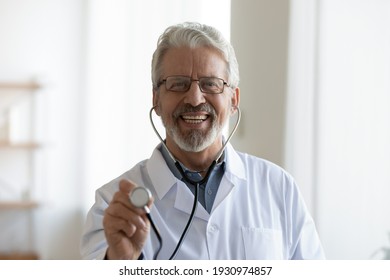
(196, 184)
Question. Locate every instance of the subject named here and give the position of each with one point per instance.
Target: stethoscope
(140, 196)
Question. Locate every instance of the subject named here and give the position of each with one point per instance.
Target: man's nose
(194, 95)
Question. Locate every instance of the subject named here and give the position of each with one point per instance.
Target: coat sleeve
(304, 240)
(93, 243)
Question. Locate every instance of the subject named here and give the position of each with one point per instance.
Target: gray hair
(191, 34)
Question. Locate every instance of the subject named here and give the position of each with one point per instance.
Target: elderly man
(248, 208)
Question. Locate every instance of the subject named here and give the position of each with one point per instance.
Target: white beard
(195, 140)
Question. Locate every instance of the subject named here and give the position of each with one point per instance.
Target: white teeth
(201, 117)
(194, 119)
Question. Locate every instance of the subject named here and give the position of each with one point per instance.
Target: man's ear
(235, 99)
(156, 96)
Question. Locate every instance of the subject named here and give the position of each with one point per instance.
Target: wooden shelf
(11, 92)
(19, 256)
(19, 86)
(19, 145)
(15, 205)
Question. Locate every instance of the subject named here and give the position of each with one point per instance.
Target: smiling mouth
(194, 119)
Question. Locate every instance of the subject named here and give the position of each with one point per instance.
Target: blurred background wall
(314, 95)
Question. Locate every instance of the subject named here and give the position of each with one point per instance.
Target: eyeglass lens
(183, 84)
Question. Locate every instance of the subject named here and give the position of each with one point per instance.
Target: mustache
(187, 108)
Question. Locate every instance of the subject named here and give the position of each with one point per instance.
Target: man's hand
(125, 226)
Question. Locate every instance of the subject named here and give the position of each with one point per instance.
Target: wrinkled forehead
(199, 61)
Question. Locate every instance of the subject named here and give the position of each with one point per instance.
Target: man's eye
(178, 85)
(210, 84)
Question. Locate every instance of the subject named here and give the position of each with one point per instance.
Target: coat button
(213, 228)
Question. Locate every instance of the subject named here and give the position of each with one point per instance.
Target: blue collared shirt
(208, 191)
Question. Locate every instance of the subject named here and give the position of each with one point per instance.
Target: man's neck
(195, 161)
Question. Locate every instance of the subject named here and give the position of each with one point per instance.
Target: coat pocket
(262, 243)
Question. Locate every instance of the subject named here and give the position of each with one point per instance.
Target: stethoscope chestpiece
(139, 197)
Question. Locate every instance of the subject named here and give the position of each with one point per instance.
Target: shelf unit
(12, 94)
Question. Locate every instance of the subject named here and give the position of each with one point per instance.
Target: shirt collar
(171, 164)
(163, 179)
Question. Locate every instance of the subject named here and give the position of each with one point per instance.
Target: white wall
(338, 121)
(354, 127)
(259, 34)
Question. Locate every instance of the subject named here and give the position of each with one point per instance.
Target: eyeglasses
(210, 85)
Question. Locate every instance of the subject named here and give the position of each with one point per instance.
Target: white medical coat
(258, 213)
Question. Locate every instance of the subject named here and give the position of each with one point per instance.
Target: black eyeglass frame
(193, 80)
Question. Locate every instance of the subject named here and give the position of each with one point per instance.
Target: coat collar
(163, 180)
(161, 176)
